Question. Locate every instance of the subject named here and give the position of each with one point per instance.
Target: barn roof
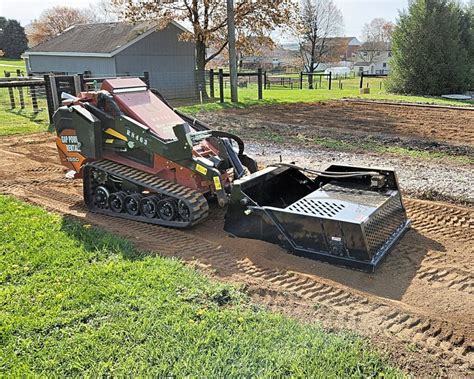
(102, 39)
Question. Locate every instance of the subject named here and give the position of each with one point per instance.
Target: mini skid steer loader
(142, 160)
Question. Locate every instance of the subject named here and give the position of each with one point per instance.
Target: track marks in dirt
(439, 220)
(439, 338)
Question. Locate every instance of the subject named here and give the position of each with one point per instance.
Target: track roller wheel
(149, 206)
(167, 209)
(117, 201)
(183, 211)
(132, 204)
(101, 197)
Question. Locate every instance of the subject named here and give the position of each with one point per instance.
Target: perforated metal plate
(319, 208)
(384, 223)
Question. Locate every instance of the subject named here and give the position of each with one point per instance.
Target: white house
(373, 58)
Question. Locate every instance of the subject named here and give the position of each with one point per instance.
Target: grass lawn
(22, 122)
(11, 65)
(19, 121)
(78, 301)
(350, 90)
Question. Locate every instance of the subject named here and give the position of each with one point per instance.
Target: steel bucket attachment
(347, 220)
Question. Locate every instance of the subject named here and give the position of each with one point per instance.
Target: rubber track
(196, 202)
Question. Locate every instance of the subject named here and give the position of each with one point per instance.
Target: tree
(209, 21)
(317, 21)
(377, 36)
(429, 55)
(3, 23)
(107, 10)
(55, 20)
(14, 41)
(467, 36)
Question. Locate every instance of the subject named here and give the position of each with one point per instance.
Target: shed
(119, 49)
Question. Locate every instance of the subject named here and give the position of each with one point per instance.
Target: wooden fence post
(330, 80)
(49, 97)
(81, 81)
(146, 76)
(301, 79)
(211, 82)
(260, 84)
(20, 91)
(221, 85)
(265, 80)
(34, 99)
(10, 92)
(361, 85)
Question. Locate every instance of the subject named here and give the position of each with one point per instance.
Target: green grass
(22, 122)
(11, 65)
(16, 120)
(248, 97)
(78, 301)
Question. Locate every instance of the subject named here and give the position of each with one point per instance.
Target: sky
(356, 13)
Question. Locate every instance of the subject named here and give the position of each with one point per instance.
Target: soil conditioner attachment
(142, 160)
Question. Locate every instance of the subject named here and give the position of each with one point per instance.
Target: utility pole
(232, 55)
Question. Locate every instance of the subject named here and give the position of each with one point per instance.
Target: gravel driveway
(416, 176)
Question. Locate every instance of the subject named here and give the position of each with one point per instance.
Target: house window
(384, 65)
(389, 53)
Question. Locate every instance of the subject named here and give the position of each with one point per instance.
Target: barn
(119, 49)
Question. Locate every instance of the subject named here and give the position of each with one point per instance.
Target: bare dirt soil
(423, 128)
(419, 305)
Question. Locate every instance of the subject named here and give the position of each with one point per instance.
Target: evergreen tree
(3, 23)
(14, 39)
(467, 38)
(429, 55)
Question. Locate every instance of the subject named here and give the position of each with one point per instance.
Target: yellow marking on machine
(201, 169)
(217, 183)
(114, 133)
(109, 140)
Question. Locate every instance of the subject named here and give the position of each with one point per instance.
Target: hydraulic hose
(330, 174)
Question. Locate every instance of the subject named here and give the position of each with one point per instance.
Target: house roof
(376, 46)
(343, 41)
(331, 41)
(102, 39)
(365, 64)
